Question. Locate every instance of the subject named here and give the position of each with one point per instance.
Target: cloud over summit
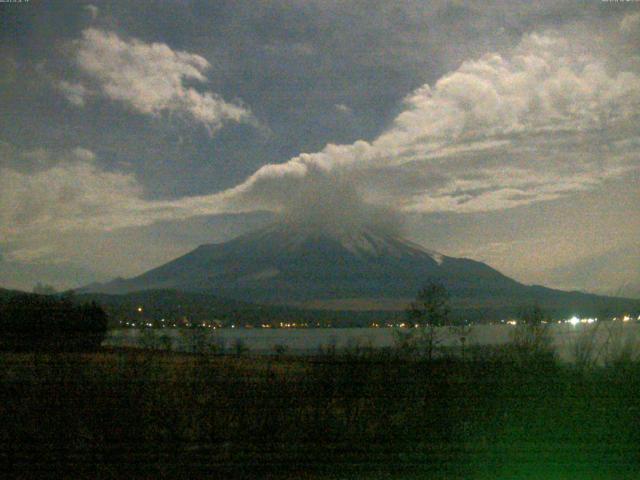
(543, 120)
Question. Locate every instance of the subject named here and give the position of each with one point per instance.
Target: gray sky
(508, 132)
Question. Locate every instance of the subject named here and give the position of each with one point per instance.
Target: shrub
(531, 340)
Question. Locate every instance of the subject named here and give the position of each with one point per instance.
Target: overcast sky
(132, 132)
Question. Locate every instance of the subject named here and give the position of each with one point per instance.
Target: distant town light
(574, 321)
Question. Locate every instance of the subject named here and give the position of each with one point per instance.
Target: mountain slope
(340, 270)
(615, 272)
(282, 264)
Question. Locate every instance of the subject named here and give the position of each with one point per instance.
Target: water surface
(602, 339)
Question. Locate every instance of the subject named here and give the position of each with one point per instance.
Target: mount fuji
(343, 269)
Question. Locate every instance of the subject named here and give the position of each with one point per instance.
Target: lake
(608, 338)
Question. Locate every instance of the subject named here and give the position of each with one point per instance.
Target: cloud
(543, 86)
(67, 194)
(92, 10)
(32, 255)
(83, 154)
(543, 121)
(69, 191)
(342, 108)
(149, 78)
(630, 24)
(333, 204)
(75, 93)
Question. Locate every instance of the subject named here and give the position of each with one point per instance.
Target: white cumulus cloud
(149, 78)
(543, 121)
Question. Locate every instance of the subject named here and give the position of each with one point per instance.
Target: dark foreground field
(143, 414)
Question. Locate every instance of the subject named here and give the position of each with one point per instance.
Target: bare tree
(428, 313)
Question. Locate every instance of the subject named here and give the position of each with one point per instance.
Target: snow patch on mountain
(361, 242)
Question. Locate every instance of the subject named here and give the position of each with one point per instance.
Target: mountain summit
(339, 269)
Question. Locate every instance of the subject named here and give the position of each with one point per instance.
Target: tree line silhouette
(31, 322)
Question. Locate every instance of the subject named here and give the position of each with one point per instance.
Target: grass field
(151, 414)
